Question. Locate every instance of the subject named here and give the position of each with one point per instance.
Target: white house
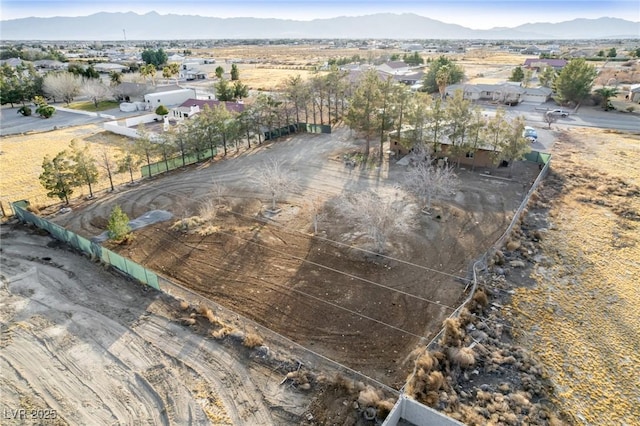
(394, 68)
(170, 98)
(108, 67)
(634, 93)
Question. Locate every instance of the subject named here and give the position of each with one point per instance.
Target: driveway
(14, 123)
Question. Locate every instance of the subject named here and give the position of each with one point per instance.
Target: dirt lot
(364, 311)
(104, 350)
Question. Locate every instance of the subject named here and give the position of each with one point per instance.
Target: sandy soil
(22, 157)
(579, 309)
(363, 311)
(85, 346)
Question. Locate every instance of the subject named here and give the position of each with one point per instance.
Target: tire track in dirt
(272, 288)
(106, 349)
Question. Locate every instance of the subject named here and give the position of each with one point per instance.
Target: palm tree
(115, 77)
(442, 79)
(170, 70)
(148, 71)
(607, 93)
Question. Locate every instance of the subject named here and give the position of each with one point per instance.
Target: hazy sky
(478, 14)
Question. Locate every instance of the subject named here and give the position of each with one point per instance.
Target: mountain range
(153, 26)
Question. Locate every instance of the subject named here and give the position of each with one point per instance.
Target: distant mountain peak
(155, 26)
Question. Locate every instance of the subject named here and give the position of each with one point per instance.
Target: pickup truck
(560, 112)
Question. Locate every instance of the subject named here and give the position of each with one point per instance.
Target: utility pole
(125, 34)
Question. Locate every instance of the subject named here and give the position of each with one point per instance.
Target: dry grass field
(22, 156)
(581, 317)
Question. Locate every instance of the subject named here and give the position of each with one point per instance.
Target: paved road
(12, 123)
(584, 117)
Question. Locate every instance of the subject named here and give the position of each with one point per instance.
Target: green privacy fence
(94, 250)
(292, 128)
(314, 128)
(176, 162)
(537, 157)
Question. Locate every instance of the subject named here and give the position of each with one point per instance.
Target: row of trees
(379, 108)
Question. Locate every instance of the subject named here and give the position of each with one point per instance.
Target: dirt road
(83, 346)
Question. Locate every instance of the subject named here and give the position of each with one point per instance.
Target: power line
(328, 267)
(290, 289)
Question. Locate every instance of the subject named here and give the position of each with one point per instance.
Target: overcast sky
(478, 14)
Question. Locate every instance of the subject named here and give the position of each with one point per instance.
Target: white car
(530, 134)
(560, 112)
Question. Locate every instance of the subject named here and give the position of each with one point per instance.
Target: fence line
(177, 162)
(309, 358)
(481, 262)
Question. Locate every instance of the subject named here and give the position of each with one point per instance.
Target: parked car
(530, 134)
(560, 112)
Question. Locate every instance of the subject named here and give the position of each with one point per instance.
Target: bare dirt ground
(364, 311)
(81, 345)
(551, 337)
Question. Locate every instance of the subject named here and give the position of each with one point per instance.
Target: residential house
(634, 94)
(191, 107)
(168, 98)
(130, 92)
(193, 74)
(109, 67)
(410, 78)
(413, 47)
(394, 68)
(483, 156)
(540, 64)
(536, 95)
(531, 50)
(175, 58)
(502, 93)
(49, 64)
(12, 62)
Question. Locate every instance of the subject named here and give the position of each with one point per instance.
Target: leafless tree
(273, 177)
(428, 181)
(378, 217)
(549, 118)
(218, 191)
(314, 204)
(62, 86)
(208, 208)
(96, 90)
(108, 163)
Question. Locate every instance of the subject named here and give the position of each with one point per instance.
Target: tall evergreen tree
(574, 82)
(58, 176)
(85, 166)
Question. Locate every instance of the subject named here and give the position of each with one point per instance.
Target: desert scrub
(583, 310)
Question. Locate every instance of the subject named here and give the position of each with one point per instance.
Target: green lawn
(90, 106)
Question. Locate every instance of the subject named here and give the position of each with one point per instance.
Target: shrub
(221, 333)
(481, 298)
(45, 111)
(188, 321)
(118, 227)
(162, 110)
(452, 332)
(464, 357)
(25, 111)
(252, 340)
